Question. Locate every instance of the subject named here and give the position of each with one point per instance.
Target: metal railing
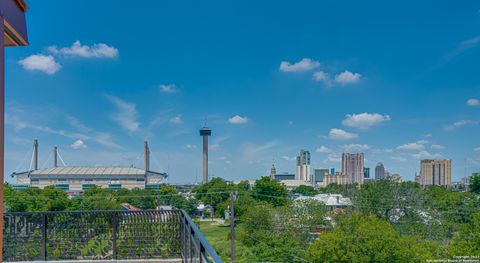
(195, 248)
(104, 235)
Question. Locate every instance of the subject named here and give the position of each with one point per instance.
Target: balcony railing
(104, 235)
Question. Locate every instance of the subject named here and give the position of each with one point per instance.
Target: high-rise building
(337, 178)
(319, 174)
(436, 172)
(352, 166)
(379, 171)
(303, 166)
(366, 172)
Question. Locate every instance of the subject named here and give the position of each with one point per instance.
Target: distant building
(76, 179)
(333, 201)
(303, 166)
(379, 171)
(417, 178)
(273, 172)
(337, 178)
(396, 178)
(292, 184)
(319, 174)
(366, 173)
(332, 170)
(436, 172)
(352, 166)
(284, 176)
(280, 177)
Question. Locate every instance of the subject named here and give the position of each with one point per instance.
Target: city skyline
(268, 87)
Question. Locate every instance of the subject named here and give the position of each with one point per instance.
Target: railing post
(202, 252)
(114, 235)
(44, 236)
(190, 244)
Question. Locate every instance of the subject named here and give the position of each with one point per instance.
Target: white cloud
(305, 64)
(347, 77)
(463, 46)
(323, 149)
(364, 120)
(398, 158)
(43, 63)
(288, 158)
(333, 158)
(237, 119)
(191, 146)
(477, 149)
(126, 116)
(176, 120)
(321, 76)
(253, 151)
(356, 147)
(17, 117)
(78, 50)
(426, 155)
(427, 135)
(74, 122)
(473, 102)
(437, 147)
(459, 124)
(420, 145)
(78, 144)
(339, 134)
(168, 88)
(381, 151)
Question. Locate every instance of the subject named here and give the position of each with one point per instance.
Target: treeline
(388, 222)
(52, 199)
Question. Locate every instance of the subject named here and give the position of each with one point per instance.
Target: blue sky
(399, 82)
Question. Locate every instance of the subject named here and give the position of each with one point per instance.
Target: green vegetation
(305, 190)
(52, 199)
(388, 221)
(475, 183)
(219, 237)
(359, 238)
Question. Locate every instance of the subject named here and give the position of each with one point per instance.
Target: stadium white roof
(90, 171)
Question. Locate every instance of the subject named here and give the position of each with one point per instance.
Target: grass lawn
(219, 237)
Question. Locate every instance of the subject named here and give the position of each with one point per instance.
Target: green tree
(216, 191)
(305, 190)
(368, 239)
(55, 199)
(475, 183)
(467, 242)
(268, 190)
(97, 198)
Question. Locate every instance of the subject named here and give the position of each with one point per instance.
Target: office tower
(366, 172)
(303, 166)
(379, 171)
(319, 174)
(352, 166)
(436, 172)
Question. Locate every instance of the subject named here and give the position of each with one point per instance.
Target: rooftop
(86, 170)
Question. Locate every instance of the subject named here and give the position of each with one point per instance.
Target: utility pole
(232, 224)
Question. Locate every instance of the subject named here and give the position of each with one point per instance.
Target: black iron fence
(91, 235)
